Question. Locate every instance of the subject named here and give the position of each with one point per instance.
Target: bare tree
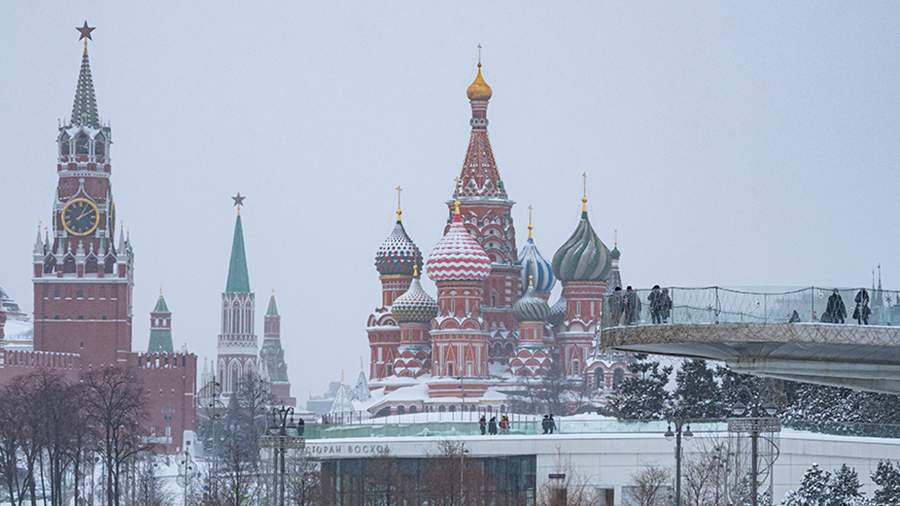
(150, 491)
(304, 486)
(649, 486)
(245, 421)
(113, 403)
(15, 434)
(573, 486)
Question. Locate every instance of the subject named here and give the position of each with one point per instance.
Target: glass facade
(440, 480)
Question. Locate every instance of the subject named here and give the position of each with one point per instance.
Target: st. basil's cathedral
(491, 328)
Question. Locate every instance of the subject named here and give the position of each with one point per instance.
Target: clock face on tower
(80, 217)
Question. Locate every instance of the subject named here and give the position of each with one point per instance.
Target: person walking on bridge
(656, 304)
(666, 305)
(862, 311)
(632, 306)
(835, 311)
(616, 306)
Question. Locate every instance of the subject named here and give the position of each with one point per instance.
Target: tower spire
(584, 199)
(530, 223)
(84, 108)
(399, 211)
(238, 277)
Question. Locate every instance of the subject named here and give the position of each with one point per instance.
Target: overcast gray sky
(744, 143)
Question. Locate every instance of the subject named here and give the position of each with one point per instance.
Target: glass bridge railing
(378, 429)
(680, 305)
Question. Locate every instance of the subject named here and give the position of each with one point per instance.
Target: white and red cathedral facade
(490, 329)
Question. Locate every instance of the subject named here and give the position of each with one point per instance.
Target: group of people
(548, 424)
(625, 306)
(836, 311)
(491, 426)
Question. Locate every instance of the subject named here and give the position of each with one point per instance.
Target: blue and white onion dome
(583, 257)
(398, 253)
(531, 307)
(536, 267)
(415, 305)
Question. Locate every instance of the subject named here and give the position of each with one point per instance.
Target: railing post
(812, 304)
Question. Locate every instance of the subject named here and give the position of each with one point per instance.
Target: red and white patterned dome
(458, 256)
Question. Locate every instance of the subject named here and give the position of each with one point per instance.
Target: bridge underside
(852, 356)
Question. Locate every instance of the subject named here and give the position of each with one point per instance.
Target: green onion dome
(531, 307)
(583, 257)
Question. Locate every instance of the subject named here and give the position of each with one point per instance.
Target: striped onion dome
(536, 267)
(557, 312)
(531, 307)
(396, 253)
(415, 305)
(583, 257)
(458, 256)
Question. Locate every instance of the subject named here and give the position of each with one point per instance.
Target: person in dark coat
(616, 306)
(545, 424)
(656, 304)
(862, 311)
(551, 423)
(835, 311)
(492, 426)
(666, 305)
(632, 306)
(482, 424)
(795, 317)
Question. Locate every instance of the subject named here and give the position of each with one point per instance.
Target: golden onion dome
(479, 89)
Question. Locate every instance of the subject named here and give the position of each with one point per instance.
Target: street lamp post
(187, 467)
(761, 420)
(682, 430)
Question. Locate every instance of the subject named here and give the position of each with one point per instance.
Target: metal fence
(715, 304)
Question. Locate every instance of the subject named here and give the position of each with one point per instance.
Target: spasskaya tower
(83, 277)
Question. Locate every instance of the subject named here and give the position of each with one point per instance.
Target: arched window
(618, 376)
(449, 368)
(69, 265)
(100, 145)
(452, 408)
(401, 410)
(82, 144)
(413, 409)
(234, 376)
(599, 382)
(441, 409)
(64, 146)
(90, 265)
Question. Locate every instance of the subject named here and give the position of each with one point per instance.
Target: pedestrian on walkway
(545, 424)
(551, 423)
(862, 311)
(835, 311)
(492, 426)
(667, 305)
(616, 306)
(482, 424)
(504, 424)
(656, 304)
(632, 306)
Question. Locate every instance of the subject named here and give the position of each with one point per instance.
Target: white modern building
(600, 454)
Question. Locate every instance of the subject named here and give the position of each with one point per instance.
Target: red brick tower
(272, 366)
(396, 259)
(459, 267)
(83, 280)
(237, 347)
(487, 215)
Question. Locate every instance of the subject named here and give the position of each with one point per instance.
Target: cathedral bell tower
(486, 212)
(83, 280)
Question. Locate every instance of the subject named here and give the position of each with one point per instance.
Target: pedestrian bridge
(778, 334)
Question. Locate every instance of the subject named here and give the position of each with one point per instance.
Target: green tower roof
(84, 109)
(161, 306)
(238, 277)
(160, 341)
(272, 310)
